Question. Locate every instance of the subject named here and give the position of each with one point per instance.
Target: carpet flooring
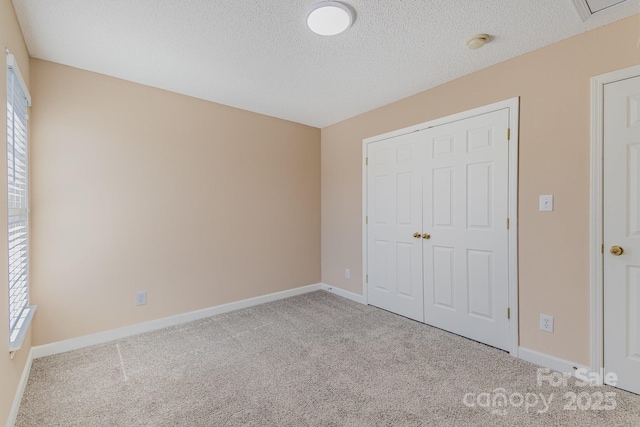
(317, 360)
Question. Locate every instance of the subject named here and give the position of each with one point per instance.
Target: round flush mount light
(329, 18)
(477, 41)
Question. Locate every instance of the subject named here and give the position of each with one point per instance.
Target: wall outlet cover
(546, 323)
(141, 298)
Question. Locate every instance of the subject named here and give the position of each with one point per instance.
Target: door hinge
(366, 161)
(367, 278)
(508, 313)
(366, 219)
(601, 249)
(507, 223)
(508, 134)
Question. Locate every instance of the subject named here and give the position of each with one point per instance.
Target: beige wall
(553, 85)
(10, 369)
(136, 188)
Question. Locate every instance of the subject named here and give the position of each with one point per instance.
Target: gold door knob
(416, 235)
(426, 236)
(616, 250)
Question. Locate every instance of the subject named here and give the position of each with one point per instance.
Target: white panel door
(394, 210)
(622, 229)
(465, 208)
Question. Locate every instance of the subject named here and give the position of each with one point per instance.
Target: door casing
(513, 106)
(596, 234)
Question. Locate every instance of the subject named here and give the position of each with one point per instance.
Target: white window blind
(18, 203)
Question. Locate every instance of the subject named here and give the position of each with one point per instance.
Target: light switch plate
(546, 203)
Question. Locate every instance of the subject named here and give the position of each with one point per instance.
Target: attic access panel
(598, 5)
(586, 8)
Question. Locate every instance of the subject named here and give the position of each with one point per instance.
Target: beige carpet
(315, 359)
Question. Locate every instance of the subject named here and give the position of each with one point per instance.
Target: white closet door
(465, 184)
(394, 208)
(622, 230)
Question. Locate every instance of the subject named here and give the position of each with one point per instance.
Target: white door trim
(596, 224)
(513, 106)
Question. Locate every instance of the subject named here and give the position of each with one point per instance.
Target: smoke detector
(477, 41)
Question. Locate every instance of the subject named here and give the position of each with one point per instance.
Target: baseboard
(345, 294)
(127, 331)
(22, 385)
(546, 361)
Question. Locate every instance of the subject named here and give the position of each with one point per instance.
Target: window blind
(18, 202)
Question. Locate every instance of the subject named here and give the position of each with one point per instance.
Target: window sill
(16, 344)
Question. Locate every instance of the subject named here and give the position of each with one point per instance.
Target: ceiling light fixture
(329, 18)
(477, 41)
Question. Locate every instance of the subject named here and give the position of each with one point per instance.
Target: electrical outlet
(141, 298)
(347, 273)
(546, 323)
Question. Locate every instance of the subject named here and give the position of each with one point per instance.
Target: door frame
(513, 105)
(596, 235)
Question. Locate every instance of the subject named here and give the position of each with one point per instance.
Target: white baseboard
(127, 331)
(551, 362)
(345, 294)
(22, 385)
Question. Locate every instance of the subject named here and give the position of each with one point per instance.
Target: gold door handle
(416, 235)
(426, 236)
(616, 250)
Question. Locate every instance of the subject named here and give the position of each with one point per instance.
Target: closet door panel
(394, 206)
(465, 189)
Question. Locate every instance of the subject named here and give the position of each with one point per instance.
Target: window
(18, 100)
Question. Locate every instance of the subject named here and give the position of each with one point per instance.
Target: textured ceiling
(258, 55)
